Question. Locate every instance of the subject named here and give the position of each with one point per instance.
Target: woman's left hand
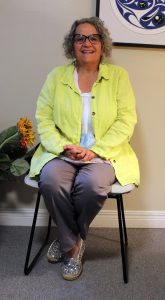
(79, 153)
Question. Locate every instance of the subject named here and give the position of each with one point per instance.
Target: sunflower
(25, 128)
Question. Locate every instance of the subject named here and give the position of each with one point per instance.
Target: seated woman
(86, 117)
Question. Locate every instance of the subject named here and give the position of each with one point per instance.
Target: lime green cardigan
(113, 113)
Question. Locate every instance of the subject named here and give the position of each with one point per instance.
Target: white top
(87, 135)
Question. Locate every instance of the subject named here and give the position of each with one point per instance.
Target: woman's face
(87, 51)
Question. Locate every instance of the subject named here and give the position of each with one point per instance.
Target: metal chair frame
(122, 231)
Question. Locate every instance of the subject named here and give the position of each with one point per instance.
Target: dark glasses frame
(92, 38)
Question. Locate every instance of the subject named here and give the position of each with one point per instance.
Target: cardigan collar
(68, 77)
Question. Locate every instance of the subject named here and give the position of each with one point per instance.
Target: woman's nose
(87, 41)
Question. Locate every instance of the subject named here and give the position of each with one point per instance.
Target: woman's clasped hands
(78, 153)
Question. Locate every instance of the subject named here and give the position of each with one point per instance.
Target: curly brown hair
(101, 29)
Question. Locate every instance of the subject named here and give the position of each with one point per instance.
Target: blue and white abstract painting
(143, 15)
(135, 21)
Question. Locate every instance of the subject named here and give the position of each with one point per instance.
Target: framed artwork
(134, 23)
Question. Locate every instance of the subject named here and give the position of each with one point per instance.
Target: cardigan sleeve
(50, 137)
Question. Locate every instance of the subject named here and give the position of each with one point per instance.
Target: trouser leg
(91, 186)
(56, 181)
(74, 195)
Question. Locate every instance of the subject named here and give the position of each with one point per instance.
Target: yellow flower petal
(26, 131)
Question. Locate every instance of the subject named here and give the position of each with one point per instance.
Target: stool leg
(27, 267)
(123, 219)
(123, 236)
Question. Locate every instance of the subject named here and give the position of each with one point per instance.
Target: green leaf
(4, 162)
(4, 158)
(19, 167)
(6, 133)
(11, 144)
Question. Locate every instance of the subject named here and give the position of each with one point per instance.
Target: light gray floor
(102, 275)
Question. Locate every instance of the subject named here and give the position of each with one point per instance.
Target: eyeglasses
(81, 38)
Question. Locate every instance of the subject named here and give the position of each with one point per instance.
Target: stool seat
(31, 182)
(116, 188)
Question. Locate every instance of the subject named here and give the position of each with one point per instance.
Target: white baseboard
(106, 218)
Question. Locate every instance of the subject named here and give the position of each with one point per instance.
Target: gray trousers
(74, 195)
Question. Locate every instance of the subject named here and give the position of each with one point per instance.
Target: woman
(86, 116)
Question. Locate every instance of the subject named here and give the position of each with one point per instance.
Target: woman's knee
(95, 180)
(88, 189)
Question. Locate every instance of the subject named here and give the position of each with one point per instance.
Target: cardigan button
(114, 160)
(93, 113)
(93, 97)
